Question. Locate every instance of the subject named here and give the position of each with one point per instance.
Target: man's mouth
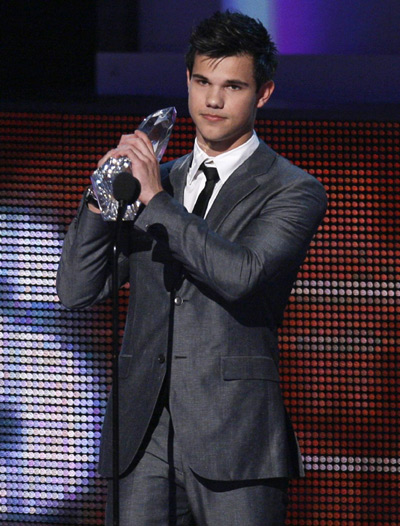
(212, 118)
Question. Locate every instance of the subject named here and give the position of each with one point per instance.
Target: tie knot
(210, 172)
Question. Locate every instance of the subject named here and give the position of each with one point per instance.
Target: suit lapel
(178, 175)
(240, 184)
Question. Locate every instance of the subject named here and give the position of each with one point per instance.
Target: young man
(205, 438)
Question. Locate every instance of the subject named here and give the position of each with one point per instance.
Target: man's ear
(188, 76)
(264, 93)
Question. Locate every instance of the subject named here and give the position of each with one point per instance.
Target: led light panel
(340, 339)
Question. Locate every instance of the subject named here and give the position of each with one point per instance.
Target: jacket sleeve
(84, 275)
(84, 272)
(275, 241)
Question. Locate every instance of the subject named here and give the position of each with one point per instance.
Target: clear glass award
(158, 127)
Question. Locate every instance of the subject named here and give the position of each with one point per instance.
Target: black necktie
(202, 201)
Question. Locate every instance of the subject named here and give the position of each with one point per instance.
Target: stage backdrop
(340, 360)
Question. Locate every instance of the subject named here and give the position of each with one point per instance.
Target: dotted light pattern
(339, 340)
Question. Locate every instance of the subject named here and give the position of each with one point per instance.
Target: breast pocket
(249, 368)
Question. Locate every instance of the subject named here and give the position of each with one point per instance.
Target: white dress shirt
(226, 163)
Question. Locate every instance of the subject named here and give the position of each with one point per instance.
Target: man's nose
(214, 98)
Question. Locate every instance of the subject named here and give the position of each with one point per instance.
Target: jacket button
(161, 358)
(178, 301)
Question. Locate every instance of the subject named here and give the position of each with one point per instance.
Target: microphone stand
(126, 190)
(115, 372)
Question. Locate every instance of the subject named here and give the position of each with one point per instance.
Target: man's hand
(139, 150)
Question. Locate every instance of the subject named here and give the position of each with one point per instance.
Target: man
(205, 438)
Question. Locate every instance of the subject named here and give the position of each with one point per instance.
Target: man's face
(223, 101)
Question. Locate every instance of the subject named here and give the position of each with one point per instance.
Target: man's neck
(214, 149)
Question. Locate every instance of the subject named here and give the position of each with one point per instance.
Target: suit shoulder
(286, 173)
(283, 181)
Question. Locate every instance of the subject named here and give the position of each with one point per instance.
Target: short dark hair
(230, 34)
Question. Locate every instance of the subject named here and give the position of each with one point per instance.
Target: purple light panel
(340, 340)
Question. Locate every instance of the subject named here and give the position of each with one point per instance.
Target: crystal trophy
(158, 127)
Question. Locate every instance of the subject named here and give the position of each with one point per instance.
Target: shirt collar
(226, 163)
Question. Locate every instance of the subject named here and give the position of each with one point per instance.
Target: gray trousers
(162, 490)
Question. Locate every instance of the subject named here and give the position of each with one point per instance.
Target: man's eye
(234, 87)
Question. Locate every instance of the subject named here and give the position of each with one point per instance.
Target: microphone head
(126, 188)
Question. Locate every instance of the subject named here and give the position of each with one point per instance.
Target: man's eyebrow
(200, 77)
(237, 82)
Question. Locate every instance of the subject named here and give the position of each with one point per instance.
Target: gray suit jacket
(206, 298)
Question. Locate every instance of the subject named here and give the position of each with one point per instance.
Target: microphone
(126, 188)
